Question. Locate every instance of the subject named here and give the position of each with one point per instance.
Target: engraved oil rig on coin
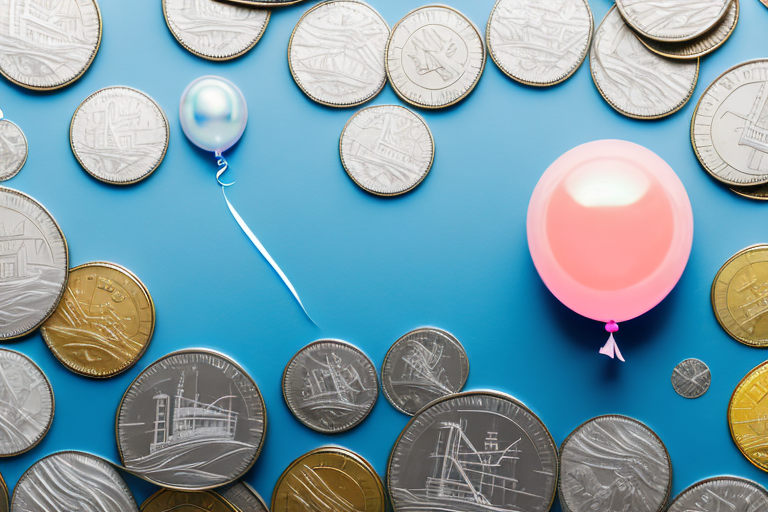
(755, 133)
(333, 388)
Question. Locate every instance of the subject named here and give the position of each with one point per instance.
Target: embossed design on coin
(336, 53)
(728, 129)
(330, 386)
(333, 479)
(702, 45)
(26, 403)
(614, 463)
(13, 149)
(672, 20)
(215, 30)
(193, 420)
(68, 481)
(33, 264)
(435, 57)
(634, 80)
(4, 505)
(167, 500)
(243, 498)
(47, 45)
(473, 452)
(539, 42)
(103, 323)
(421, 367)
(387, 150)
(119, 135)
(691, 378)
(748, 416)
(721, 493)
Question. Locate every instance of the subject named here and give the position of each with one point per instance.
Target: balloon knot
(612, 327)
(223, 166)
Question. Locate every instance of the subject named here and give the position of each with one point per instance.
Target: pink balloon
(610, 229)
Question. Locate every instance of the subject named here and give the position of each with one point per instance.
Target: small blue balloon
(213, 113)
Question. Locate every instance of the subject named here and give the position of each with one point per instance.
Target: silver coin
(34, 263)
(614, 463)
(473, 452)
(13, 149)
(435, 57)
(387, 149)
(72, 481)
(119, 135)
(263, 3)
(193, 420)
(672, 20)
(26, 403)
(721, 494)
(244, 498)
(47, 45)
(634, 80)
(691, 378)
(330, 386)
(539, 42)
(215, 30)
(422, 366)
(729, 124)
(336, 53)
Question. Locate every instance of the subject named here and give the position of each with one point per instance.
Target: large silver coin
(672, 20)
(26, 403)
(720, 494)
(539, 42)
(421, 367)
(119, 135)
(435, 57)
(473, 452)
(336, 53)
(387, 150)
(46, 45)
(72, 481)
(330, 386)
(634, 80)
(215, 30)
(691, 378)
(33, 264)
(193, 420)
(13, 149)
(244, 498)
(614, 463)
(729, 125)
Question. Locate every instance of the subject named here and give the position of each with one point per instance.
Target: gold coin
(167, 500)
(757, 192)
(329, 478)
(740, 296)
(3, 495)
(748, 416)
(103, 323)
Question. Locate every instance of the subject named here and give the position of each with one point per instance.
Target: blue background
(451, 254)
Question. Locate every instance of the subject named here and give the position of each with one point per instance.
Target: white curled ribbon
(223, 166)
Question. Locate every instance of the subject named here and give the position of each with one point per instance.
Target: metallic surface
(329, 479)
(387, 149)
(422, 366)
(737, 296)
(215, 30)
(33, 264)
(46, 45)
(672, 20)
(119, 135)
(243, 498)
(104, 321)
(702, 45)
(473, 452)
(634, 80)
(4, 504)
(539, 42)
(756, 192)
(727, 125)
(614, 463)
(13, 149)
(69, 482)
(160, 438)
(435, 57)
(747, 418)
(720, 494)
(263, 3)
(336, 53)
(691, 378)
(167, 500)
(330, 386)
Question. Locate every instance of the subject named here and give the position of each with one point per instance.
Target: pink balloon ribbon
(611, 349)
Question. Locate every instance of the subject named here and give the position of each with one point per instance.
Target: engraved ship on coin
(754, 296)
(332, 389)
(423, 370)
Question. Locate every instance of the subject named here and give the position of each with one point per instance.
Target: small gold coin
(756, 192)
(329, 478)
(103, 323)
(3, 495)
(748, 416)
(167, 500)
(740, 296)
